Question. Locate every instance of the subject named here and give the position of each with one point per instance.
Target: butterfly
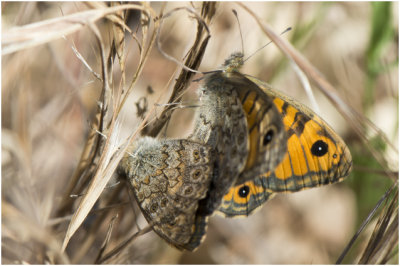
(245, 138)
(315, 156)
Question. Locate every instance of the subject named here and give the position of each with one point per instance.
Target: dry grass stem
(24, 37)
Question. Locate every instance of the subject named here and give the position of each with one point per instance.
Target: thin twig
(118, 249)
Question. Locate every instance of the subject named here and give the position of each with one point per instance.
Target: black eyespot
(335, 156)
(244, 191)
(153, 207)
(319, 148)
(196, 174)
(268, 137)
(196, 156)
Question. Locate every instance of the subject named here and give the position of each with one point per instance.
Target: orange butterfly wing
(316, 156)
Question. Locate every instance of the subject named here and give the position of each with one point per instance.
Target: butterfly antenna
(262, 47)
(240, 29)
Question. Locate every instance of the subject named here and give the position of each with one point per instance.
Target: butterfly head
(234, 62)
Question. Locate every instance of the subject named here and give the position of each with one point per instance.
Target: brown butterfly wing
(168, 179)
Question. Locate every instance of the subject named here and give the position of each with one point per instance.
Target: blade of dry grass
(27, 36)
(98, 183)
(106, 165)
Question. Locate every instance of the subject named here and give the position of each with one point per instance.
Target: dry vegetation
(85, 80)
